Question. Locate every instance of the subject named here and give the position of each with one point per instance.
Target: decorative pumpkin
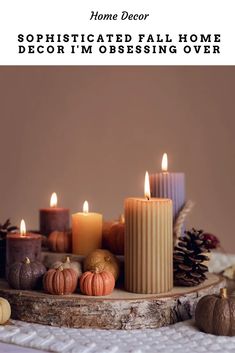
(116, 238)
(103, 260)
(5, 311)
(60, 241)
(97, 283)
(76, 266)
(215, 314)
(113, 236)
(26, 275)
(105, 233)
(60, 281)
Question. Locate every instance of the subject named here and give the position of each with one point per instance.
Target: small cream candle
(148, 244)
(86, 231)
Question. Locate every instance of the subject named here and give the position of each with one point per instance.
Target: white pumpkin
(5, 311)
(75, 265)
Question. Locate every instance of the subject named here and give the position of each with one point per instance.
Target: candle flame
(147, 186)
(85, 207)
(22, 228)
(122, 218)
(164, 162)
(53, 201)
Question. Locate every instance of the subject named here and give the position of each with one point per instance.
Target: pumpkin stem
(223, 293)
(67, 260)
(96, 270)
(60, 268)
(26, 261)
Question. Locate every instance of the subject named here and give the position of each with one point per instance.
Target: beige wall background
(91, 132)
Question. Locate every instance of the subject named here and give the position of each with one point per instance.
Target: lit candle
(169, 185)
(22, 245)
(53, 217)
(86, 231)
(148, 244)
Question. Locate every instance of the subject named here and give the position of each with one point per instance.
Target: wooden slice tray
(120, 310)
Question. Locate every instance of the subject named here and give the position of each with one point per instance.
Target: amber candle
(86, 231)
(53, 217)
(22, 245)
(148, 244)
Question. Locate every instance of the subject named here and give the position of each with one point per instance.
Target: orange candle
(86, 231)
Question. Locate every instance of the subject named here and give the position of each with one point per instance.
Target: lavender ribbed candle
(169, 185)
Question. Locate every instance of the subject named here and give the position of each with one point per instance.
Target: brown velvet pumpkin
(60, 281)
(75, 265)
(60, 241)
(26, 274)
(103, 260)
(215, 314)
(97, 283)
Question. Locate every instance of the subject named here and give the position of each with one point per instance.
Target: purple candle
(169, 185)
(53, 218)
(22, 245)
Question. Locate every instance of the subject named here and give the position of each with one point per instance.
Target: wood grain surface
(120, 310)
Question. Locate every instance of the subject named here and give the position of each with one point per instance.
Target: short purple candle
(169, 185)
(53, 218)
(22, 245)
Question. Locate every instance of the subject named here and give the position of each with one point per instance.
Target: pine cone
(6, 228)
(188, 258)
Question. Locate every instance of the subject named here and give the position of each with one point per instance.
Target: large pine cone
(188, 258)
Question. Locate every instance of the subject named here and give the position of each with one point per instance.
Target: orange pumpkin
(97, 283)
(60, 281)
(116, 238)
(113, 236)
(105, 233)
(60, 241)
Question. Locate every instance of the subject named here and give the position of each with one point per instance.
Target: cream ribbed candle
(148, 245)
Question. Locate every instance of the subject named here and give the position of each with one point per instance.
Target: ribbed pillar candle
(169, 185)
(148, 245)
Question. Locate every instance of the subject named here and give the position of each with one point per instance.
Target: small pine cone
(6, 228)
(188, 258)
